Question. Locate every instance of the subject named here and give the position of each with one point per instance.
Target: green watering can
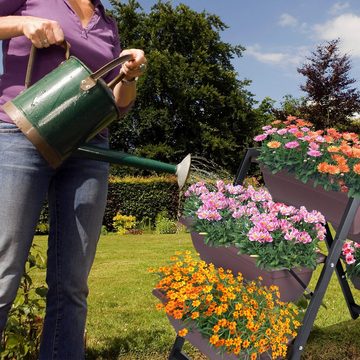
(68, 107)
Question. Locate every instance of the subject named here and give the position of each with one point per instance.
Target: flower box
(222, 315)
(284, 187)
(194, 336)
(272, 236)
(228, 258)
(197, 340)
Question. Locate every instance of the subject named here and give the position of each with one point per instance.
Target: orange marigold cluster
(239, 317)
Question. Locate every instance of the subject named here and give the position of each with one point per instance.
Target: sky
(278, 35)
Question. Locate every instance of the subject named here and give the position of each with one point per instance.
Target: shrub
(144, 198)
(163, 225)
(21, 338)
(123, 223)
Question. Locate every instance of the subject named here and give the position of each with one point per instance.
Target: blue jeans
(76, 193)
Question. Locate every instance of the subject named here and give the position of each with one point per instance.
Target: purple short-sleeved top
(94, 45)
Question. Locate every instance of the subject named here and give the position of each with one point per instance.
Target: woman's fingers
(136, 66)
(42, 32)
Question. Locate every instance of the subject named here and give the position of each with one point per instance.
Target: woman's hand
(42, 32)
(135, 67)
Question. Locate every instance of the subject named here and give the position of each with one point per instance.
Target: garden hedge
(142, 197)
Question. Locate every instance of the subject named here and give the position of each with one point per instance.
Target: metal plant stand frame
(332, 263)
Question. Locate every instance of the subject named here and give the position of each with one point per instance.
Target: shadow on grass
(145, 343)
(337, 342)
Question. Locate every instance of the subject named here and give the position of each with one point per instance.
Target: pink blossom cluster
(262, 218)
(297, 135)
(349, 250)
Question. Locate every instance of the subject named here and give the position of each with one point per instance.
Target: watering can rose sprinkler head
(183, 170)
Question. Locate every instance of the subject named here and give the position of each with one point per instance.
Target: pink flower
(267, 127)
(314, 146)
(304, 237)
(259, 235)
(293, 130)
(292, 145)
(314, 153)
(209, 215)
(350, 259)
(260, 137)
(282, 131)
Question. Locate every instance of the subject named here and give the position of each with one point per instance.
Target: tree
(290, 106)
(330, 97)
(189, 100)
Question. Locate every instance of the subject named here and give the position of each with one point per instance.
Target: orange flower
(214, 339)
(333, 169)
(273, 144)
(322, 167)
(333, 149)
(183, 332)
(357, 168)
(195, 315)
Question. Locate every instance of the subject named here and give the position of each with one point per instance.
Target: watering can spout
(181, 170)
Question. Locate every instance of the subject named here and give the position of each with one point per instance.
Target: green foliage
(189, 100)
(290, 106)
(21, 337)
(43, 223)
(144, 198)
(164, 225)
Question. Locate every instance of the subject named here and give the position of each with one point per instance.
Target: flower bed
(235, 318)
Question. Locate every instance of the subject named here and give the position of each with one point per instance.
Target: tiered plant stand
(344, 215)
(346, 223)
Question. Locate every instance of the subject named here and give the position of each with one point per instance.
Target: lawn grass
(123, 322)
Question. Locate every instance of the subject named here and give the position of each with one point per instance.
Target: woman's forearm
(125, 93)
(41, 32)
(11, 26)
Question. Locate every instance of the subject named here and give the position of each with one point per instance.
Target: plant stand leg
(324, 279)
(354, 309)
(250, 155)
(176, 353)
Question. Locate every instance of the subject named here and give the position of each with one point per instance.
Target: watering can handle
(30, 65)
(91, 80)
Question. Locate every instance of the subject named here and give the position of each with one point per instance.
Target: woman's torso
(95, 45)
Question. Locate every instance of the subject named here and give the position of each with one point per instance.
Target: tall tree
(330, 97)
(189, 99)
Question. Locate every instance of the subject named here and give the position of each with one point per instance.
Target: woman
(76, 191)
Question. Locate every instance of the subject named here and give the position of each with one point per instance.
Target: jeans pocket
(8, 128)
